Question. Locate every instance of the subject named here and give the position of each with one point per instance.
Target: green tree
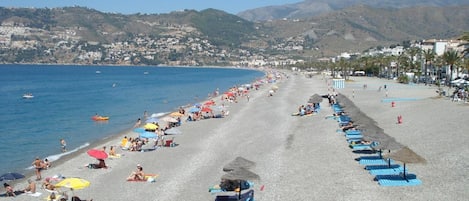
(429, 56)
(450, 57)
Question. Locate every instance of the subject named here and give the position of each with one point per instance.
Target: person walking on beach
(37, 164)
(63, 144)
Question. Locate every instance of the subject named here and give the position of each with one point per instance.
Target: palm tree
(450, 57)
(429, 56)
(465, 37)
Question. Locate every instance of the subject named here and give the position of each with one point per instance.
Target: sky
(148, 6)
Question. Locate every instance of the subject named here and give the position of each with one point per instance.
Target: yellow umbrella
(150, 126)
(176, 114)
(73, 183)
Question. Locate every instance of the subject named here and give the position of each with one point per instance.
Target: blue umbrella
(139, 130)
(194, 110)
(148, 135)
(11, 176)
(151, 120)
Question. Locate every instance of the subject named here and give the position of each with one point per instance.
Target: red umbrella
(206, 109)
(98, 154)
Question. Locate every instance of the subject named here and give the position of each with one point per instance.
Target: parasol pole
(405, 176)
(239, 193)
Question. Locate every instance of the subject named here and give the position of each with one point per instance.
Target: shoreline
(111, 139)
(292, 152)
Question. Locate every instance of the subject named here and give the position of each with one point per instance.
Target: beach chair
(169, 142)
(247, 196)
(398, 180)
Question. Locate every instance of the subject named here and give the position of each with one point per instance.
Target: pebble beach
(296, 157)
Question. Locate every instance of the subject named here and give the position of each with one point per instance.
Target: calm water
(65, 98)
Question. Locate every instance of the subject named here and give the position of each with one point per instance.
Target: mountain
(355, 28)
(310, 8)
(214, 37)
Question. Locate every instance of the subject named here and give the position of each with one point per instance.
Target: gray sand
(297, 158)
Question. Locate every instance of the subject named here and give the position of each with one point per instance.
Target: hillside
(311, 8)
(189, 37)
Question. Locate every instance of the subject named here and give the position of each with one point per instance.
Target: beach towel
(36, 194)
(148, 178)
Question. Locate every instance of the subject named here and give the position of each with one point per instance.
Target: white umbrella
(173, 131)
(169, 119)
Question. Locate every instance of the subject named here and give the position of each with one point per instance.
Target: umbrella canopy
(176, 114)
(11, 176)
(238, 162)
(170, 119)
(210, 102)
(173, 131)
(139, 130)
(151, 120)
(206, 109)
(98, 154)
(148, 135)
(194, 109)
(73, 183)
(150, 126)
(405, 155)
(241, 174)
(316, 98)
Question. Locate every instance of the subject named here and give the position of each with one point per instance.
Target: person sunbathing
(31, 188)
(47, 185)
(9, 190)
(138, 175)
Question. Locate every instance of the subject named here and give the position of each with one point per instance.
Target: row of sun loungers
(386, 171)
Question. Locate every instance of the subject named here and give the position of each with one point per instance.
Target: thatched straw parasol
(239, 162)
(406, 155)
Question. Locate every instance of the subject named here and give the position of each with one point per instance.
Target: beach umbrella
(206, 109)
(11, 176)
(194, 109)
(241, 174)
(176, 114)
(139, 130)
(316, 97)
(405, 155)
(172, 131)
(238, 162)
(229, 93)
(148, 135)
(96, 153)
(73, 183)
(151, 120)
(210, 102)
(150, 126)
(169, 119)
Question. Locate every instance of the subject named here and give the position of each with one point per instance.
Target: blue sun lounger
(370, 157)
(351, 132)
(398, 180)
(387, 171)
(354, 136)
(376, 162)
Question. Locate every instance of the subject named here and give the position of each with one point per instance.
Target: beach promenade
(297, 158)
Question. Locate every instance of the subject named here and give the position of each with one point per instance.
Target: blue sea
(66, 97)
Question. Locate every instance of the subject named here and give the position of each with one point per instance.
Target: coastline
(301, 154)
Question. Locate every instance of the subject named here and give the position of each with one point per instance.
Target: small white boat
(98, 72)
(146, 73)
(28, 95)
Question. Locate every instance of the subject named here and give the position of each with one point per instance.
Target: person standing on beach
(63, 144)
(37, 164)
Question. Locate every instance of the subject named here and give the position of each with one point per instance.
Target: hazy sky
(149, 6)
